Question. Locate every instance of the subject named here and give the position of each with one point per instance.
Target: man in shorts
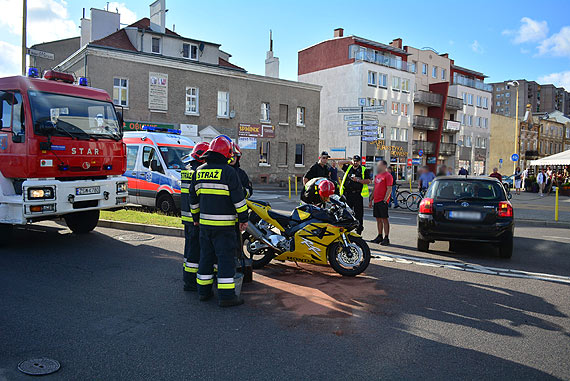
(382, 189)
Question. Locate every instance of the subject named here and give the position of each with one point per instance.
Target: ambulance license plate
(87, 190)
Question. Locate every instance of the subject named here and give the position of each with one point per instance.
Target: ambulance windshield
(173, 156)
(75, 117)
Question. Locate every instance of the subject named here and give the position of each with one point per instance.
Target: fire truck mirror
(120, 120)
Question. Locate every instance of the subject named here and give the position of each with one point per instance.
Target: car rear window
(452, 189)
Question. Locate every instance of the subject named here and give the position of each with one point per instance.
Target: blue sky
(503, 39)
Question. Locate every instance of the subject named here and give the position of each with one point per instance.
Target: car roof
(460, 177)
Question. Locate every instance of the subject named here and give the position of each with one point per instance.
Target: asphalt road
(110, 306)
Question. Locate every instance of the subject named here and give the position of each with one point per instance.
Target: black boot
(385, 241)
(378, 239)
(190, 287)
(207, 297)
(236, 301)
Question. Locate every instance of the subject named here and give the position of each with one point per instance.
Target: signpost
(360, 117)
(40, 54)
(360, 128)
(365, 126)
(362, 122)
(421, 152)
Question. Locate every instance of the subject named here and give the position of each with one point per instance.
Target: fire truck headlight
(41, 193)
(122, 187)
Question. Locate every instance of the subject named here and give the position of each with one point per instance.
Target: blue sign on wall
(431, 160)
(515, 157)
(501, 161)
(416, 161)
(421, 152)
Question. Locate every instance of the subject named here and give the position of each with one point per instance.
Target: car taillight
(505, 209)
(426, 206)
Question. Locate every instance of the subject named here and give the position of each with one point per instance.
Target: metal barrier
(296, 182)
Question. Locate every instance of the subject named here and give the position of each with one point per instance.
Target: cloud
(127, 16)
(48, 20)
(559, 79)
(476, 47)
(557, 45)
(451, 42)
(10, 59)
(525, 51)
(529, 31)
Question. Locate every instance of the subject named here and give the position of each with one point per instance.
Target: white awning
(561, 158)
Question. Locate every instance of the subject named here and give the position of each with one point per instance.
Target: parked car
(466, 209)
(155, 158)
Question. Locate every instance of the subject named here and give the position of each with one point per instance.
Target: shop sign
(247, 143)
(131, 125)
(394, 150)
(416, 161)
(453, 125)
(431, 160)
(256, 130)
(158, 91)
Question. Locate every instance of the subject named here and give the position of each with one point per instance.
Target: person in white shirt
(541, 181)
(524, 177)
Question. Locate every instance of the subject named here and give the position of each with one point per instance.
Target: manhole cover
(38, 367)
(135, 237)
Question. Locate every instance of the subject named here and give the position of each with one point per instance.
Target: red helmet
(222, 146)
(326, 189)
(237, 150)
(199, 150)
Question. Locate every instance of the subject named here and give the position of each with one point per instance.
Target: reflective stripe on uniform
(211, 186)
(195, 208)
(185, 214)
(190, 267)
(204, 280)
(188, 219)
(241, 206)
(226, 283)
(184, 190)
(218, 192)
(219, 217)
(217, 223)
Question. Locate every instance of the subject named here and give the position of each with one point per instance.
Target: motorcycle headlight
(41, 193)
(122, 187)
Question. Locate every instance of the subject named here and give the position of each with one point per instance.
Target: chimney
(101, 24)
(396, 43)
(338, 32)
(158, 16)
(271, 63)
(445, 55)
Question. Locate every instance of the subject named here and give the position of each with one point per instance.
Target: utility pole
(24, 44)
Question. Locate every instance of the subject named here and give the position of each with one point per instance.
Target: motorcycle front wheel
(350, 260)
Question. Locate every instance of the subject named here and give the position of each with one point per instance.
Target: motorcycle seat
(264, 203)
(283, 220)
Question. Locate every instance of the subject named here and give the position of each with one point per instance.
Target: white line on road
(460, 266)
(552, 236)
(401, 218)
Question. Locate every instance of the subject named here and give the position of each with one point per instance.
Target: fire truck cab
(61, 152)
(155, 159)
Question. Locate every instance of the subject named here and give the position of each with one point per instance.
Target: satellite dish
(201, 46)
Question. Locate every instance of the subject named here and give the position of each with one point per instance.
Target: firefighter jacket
(244, 179)
(216, 194)
(185, 181)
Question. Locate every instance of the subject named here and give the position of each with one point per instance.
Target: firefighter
(242, 175)
(191, 232)
(217, 202)
(318, 191)
(354, 186)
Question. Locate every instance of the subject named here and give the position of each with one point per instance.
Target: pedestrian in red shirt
(496, 175)
(382, 189)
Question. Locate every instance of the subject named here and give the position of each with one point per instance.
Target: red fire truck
(61, 152)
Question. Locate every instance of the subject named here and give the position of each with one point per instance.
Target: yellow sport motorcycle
(309, 235)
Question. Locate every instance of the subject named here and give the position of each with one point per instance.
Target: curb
(141, 228)
(550, 224)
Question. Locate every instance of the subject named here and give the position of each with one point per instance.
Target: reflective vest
(365, 191)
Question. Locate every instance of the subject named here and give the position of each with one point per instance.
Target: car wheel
(506, 248)
(165, 204)
(423, 245)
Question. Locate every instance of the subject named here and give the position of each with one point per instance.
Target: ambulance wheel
(82, 222)
(165, 203)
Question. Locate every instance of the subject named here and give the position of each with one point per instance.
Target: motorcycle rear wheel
(345, 263)
(258, 260)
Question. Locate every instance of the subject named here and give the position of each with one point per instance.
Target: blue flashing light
(108, 167)
(163, 130)
(82, 81)
(33, 72)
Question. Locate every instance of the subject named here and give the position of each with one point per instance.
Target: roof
(224, 63)
(144, 23)
(472, 72)
(118, 40)
(380, 45)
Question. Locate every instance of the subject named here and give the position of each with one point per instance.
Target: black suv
(466, 208)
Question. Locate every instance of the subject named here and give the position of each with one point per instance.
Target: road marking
(552, 236)
(474, 268)
(401, 218)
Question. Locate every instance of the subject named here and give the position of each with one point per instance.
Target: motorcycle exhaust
(255, 232)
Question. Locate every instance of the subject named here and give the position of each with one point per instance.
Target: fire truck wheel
(82, 222)
(5, 232)
(165, 203)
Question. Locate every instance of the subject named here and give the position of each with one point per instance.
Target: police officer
(354, 186)
(318, 191)
(191, 232)
(217, 201)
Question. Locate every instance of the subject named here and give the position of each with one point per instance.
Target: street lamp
(516, 84)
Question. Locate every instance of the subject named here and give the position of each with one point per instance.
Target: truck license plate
(87, 190)
(459, 215)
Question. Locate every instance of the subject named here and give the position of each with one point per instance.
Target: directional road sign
(349, 109)
(362, 122)
(360, 128)
(42, 54)
(360, 117)
(373, 109)
(368, 138)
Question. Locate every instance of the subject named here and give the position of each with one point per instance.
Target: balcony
(427, 98)
(476, 84)
(451, 126)
(454, 103)
(447, 149)
(425, 123)
(360, 53)
(427, 147)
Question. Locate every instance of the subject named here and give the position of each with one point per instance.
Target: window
(264, 151)
(299, 154)
(485, 122)
(384, 104)
(443, 73)
(301, 116)
(434, 72)
(12, 115)
(396, 83)
(464, 98)
(371, 101)
(395, 108)
(470, 99)
(414, 67)
(156, 45)
(132, 153)
(478, 101)
(190, 51)
(383, 80)
(282, 154)
(192, 100)
(404, 109)
(508, 95)
(424, 69)
(381, 133)
(507, 101)
(121, 91)
(506, 109)
(149, 154)
(483, 143)
(403, 134)
(265, 112)
(485, 102)
(223, 104)
(394, 135)
(283, 114)
(470, 120)
(468, 141)
(463, 119)
(405, 85)
(372, 78)
(498, 103)
(478, 121)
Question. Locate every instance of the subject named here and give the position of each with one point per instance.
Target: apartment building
(552, 132)
(355, 72)
(541, 98)
(160, 78)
